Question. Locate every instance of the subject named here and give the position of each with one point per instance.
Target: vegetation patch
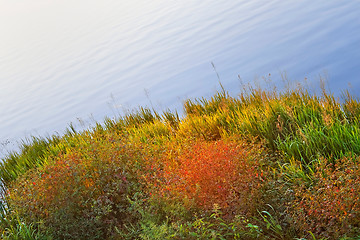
(262, 165)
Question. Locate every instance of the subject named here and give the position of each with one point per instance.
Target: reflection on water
(63, 60)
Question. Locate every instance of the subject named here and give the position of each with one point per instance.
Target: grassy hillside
(262, 165)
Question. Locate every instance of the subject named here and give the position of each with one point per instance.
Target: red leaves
(208, 173)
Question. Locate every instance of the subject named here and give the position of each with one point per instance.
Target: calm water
(64, 60)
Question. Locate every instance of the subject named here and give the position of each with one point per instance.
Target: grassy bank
(262, 165)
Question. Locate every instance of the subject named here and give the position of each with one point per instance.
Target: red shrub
(209, 173)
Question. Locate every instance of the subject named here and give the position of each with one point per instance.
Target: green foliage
(13, 227)
(214, 226)
(271, 226)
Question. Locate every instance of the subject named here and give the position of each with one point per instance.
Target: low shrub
(81, 194)
(202, 174)
(331, 206)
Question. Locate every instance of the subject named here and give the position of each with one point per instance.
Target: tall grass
(301, 125)
(33, 153)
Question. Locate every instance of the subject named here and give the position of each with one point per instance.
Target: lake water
(64, 60)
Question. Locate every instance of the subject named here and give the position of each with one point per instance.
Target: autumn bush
(330, 207)
(80, 194)
(202, 174)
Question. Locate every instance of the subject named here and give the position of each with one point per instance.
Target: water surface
(64, 60)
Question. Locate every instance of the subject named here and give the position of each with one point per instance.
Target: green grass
(33, 153)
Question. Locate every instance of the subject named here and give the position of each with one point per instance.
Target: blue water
(62, 61)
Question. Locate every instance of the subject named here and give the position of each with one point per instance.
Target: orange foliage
(209, 173)
(56, 186)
